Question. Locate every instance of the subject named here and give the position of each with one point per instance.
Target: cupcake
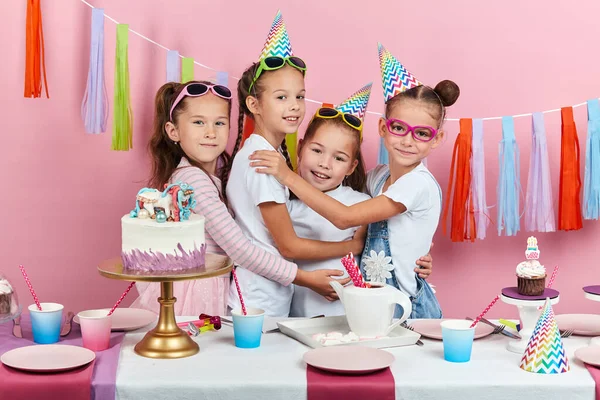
(6, 293)
(531, 275)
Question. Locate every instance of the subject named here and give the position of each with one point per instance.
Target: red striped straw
(554, 273)
(353, 270)
(35, 298)
(485, 311)
(237, 285)
(112, 310)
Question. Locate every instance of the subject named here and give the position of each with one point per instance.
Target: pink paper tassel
(121, 298)
(485, 311)
(35, 298)
(237, 285)
(482, 219)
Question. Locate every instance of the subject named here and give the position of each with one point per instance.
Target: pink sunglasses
(200, 89)
(397, 127)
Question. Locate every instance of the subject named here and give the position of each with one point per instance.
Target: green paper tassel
(122, 116)
(291, 142)
(187, 69)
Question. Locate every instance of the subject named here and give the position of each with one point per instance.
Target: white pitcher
(370, 311)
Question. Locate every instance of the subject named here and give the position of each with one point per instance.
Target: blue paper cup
(247, 329)
(458, 340)
(46, 324)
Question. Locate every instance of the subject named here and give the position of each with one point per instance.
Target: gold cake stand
(167, 340)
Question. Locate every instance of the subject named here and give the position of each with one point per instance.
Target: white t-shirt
(411, 232)
(246, 189)
(310, 225)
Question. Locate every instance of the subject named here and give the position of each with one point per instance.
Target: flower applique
(378, 267)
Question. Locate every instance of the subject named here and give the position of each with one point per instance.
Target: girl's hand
(272, 163)
(319, 280)
(425, 265)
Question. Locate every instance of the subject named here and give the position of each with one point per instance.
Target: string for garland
(35, 64)
(173, 66)
(94, 107)
(509, 183)
(482, 220)
(463, 219)
(187, 69)
(539, 206)
(591, 187)
(569, 197)
(122, 119)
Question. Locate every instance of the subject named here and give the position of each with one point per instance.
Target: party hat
(278, 43)
(396, 79)
(357, 103)
(545, 353)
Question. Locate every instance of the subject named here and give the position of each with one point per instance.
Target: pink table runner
(595, 373)
(324, 385)
(94, 381)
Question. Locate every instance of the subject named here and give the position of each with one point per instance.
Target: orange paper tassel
(569, 192)
(35, 66)
(463, 216)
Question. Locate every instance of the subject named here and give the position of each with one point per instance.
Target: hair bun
(448, 92)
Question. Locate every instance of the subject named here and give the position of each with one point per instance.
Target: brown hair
(167, 154)
(443, 95)
(357, 180)
(243, 92)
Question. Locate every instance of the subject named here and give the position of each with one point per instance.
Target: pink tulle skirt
(208, 296)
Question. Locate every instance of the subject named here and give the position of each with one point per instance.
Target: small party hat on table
(395, 77)
(545, 353)
(278, 42)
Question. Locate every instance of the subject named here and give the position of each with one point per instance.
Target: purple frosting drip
(151, 261)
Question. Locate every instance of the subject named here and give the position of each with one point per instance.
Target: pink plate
(589, 355)
(129, 319)
(431, 328)
(582, 324)
(349, 360)
(48, 357)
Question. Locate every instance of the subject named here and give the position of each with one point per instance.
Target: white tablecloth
(276, 371)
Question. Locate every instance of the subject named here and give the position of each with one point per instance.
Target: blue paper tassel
(591, 188)
(382, 156)
(509, 185)
(173, 66)
(222, 78)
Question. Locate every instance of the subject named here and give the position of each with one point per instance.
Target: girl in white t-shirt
(271, 93)
(406, 205)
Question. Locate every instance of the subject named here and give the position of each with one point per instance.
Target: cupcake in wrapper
(9, 304)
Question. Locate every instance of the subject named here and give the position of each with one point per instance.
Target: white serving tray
(303, 329)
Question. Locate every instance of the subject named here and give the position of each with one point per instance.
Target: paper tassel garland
(35, 65)
(545, 353)
(187, 69)
(539, 206)
(173, 66)
(122, 118)
(482, 220)
(94, 107)
(509, 183)
(569, 192)
(462, 219)
(591, 187)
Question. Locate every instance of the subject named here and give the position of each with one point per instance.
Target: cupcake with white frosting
(6, 294)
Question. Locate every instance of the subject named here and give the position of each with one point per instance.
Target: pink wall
(65, 190)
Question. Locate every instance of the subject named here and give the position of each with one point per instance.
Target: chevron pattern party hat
(357, 103)
(278, 42)
(395, 78)
(545, 353)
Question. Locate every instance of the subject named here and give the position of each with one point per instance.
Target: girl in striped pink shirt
(188, 145)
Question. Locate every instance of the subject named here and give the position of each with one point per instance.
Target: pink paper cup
(95, 329)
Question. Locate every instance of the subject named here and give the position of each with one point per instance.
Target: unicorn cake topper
(175, 203)
(532, 252)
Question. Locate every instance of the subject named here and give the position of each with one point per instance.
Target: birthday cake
(161, 233)
(531, 275)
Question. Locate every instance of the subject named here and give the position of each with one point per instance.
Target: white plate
(431, 328)
(582, 324)
(129, 319)
(303, 330)
(349, 360)
(48, 357)
(589, 355)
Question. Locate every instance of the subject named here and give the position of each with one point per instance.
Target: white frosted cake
(161, 233)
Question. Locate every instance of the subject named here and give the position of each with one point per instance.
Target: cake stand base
(167, 340)
(591, 293)
(529, 313)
